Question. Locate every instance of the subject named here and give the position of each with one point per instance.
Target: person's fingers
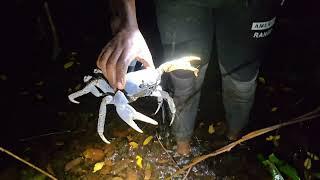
(103, 60)
(122, 68)
(111, 66)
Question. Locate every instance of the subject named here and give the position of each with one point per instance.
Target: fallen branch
(227, 148)
(26, 162)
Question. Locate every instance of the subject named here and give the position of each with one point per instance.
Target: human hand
(127, 45)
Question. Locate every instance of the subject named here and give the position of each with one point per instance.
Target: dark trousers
(242, 33)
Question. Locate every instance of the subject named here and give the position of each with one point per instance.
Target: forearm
(123, 15)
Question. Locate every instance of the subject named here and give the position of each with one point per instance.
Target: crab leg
(87, 89)
(102, 117)
(127, 113)
(160, 100)
(104, 86)
(171, 104)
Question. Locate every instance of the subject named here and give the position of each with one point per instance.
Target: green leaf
(68, 65)
(273, 158)
(289, 171)
(276, 175)
(284, 167)
(262, 80)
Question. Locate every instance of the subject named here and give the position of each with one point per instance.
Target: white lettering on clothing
(262, 34)
(263, 25)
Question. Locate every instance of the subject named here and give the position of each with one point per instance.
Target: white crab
(145, 82)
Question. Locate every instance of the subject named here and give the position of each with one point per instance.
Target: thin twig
(165, 150)
(185, 177)
(26, 162)
(44, 135)
(227, 148)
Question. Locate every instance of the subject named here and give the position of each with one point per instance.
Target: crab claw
(127, 113)
(183, 63)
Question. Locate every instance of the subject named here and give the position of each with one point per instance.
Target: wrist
(123, 15)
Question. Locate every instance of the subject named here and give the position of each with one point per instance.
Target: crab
(141, 83)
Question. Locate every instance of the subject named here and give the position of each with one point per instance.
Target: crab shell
(137, 81)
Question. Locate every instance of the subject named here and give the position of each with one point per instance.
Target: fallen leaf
(93, 154)
(139, 161)
(273, 138)
(98, 166)
(269, 138)
(131, 174)
(274, 109)
(211, 129)
(277, 137)
(134, 145)
(147, 140)
(71, 164)
(307, 163)
(262, 80)
(68, 65)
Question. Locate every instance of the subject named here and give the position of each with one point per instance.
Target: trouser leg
(238, 97)
(240, 51)
(186, 90)
(185, 30)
